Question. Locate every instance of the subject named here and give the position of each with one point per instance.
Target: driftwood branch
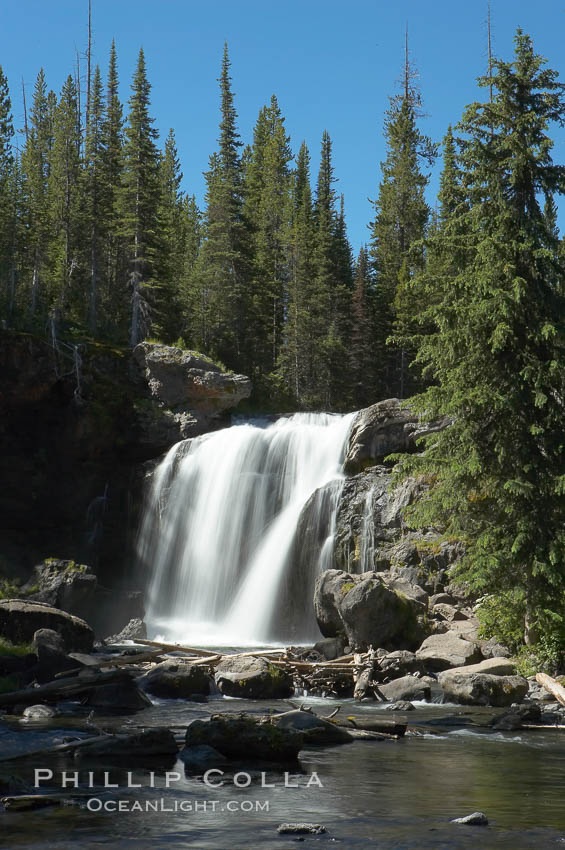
(552, 686)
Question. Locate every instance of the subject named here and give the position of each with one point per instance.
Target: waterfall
(218, 533)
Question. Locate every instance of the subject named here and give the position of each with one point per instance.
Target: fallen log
(383, 726)
(552, 686)
(61, 689)
(70, 746)
(28, 802)
(127, 661)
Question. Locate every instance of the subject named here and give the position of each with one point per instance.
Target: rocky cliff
(76, 423)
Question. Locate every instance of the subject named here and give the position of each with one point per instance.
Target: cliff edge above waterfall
(76, 420)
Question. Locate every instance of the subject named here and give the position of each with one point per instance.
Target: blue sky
(331, 63)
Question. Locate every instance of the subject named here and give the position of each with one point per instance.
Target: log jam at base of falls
(218, 537)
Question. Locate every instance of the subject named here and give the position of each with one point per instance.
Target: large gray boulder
(253, 678)
(407, 688)
(20, 620)
(176, 680)
(179, 378)
(440, 652)
(385, 428)
(368, 609)
(315, 730)
(467, 688)
(244, 737)
(63, 584)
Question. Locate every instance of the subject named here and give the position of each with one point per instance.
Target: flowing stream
(219, 531)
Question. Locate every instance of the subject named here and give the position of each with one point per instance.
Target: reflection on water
(397, 794)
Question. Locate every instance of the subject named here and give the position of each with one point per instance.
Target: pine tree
(220, 294)
(296, 367)
(266, 192)
(35, 167)
(96, 198)
(63, 203)
(139, 199)
(172, 240)
(497, 355)
(330, 296)
(114, 300)
(361, 352)
(401, 216)
(7, 212)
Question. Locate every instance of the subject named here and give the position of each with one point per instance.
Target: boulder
(399, 663)
(244, 737)
(176, 680)
(407, 688)
(19, 621)
(118, 697)
(63, 584)
(253, 678)
(147, 744)
(368, 609)
(301, 829)
(52, 658)
(494, 666)
(135, 629)
(440, 652)
(185, 379)
(315, 730)
(385, 428)
(474, 819)
(447, 612)
(201, 758)
(493, 649)
(482, 688)
(330, 648)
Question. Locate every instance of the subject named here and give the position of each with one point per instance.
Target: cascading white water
(219, 528)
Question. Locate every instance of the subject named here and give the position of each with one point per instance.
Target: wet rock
(20, 620)
(475, 819)
(64, 584)
(39, 712)
(243, 737)
(401, 705)
(135, 629)
(367, 610)
(119, 697)
(201, 758)
(482, 688)
(525, 713)
(440, 652)
(301, 829)
(176, 680)
(147, 744)
(385, 428)
(407, 688)
(315, 730)
(253, 678)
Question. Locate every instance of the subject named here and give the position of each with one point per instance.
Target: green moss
(9, 648)
(9, 589)
(347, 586)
